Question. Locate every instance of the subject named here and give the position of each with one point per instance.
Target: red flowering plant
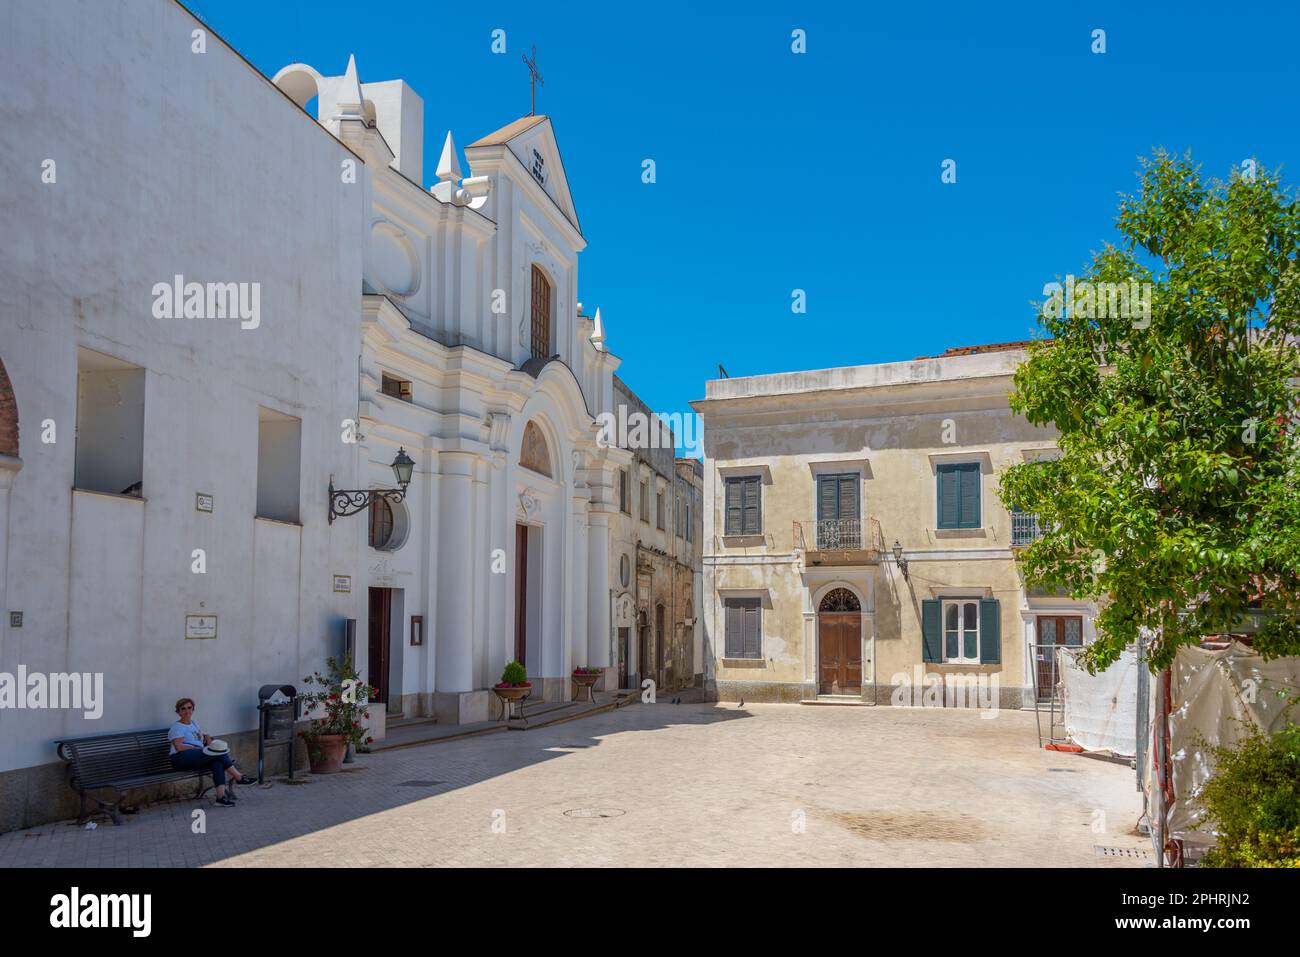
(588, 670)
(343, 700)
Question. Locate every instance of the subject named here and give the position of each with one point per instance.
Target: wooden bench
(121, 762)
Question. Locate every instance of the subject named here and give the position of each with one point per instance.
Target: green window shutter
(848, 497)
(753, 636)
(990, 631)
(733, 507)
(949, 485)
(827, 500)
(753, 518)
(735, 627)
(969, 504)
(931, 646)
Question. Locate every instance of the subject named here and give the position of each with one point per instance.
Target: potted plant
(342, 697)
(585, 678)
(514, 686)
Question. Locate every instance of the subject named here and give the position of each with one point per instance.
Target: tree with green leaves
(1175, 500)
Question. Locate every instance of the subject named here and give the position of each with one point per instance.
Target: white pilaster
(598, 636)
(454, 574)
(577, 590)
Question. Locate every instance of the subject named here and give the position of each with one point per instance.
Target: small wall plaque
(343, 583)
(200, 626)
(15, 619)
(203, 501)
(417, 629)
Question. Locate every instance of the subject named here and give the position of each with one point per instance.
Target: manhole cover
(1137, 852)
(419, 784)
(595, 812)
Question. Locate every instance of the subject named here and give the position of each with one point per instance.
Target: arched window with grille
(541, 314)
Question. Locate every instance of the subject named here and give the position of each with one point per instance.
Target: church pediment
(532, 140)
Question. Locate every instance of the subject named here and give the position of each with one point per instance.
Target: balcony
(1024, 529)
(836, 541)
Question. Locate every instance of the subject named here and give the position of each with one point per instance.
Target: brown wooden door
(839, 653)
(521, 593)
(381, 617)
(623, 652)
(1054, 630)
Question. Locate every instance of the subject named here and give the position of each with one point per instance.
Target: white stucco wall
(170, 162)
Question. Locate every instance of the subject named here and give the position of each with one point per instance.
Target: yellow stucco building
(855, 549)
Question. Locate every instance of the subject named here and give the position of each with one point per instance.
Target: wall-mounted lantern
(350, 501)
(898, 557)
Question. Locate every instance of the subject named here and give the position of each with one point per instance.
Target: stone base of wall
(464, 707)
(794, 692)
(1010, 699)
(415, 705)
(763, 692)
(41, 794)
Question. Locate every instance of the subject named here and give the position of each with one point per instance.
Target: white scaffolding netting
(1101, 709)
(1216, 698)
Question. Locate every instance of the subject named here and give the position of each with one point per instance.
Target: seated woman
(187, 754)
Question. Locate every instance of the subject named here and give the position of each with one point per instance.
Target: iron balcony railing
(836, 534)
(1025, 528)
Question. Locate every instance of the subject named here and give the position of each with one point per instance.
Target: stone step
(395, 721)
(842, 700)
(540, 715)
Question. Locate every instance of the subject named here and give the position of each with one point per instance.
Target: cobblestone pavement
(690, 784)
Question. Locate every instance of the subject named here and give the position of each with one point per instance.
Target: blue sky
(821, 171)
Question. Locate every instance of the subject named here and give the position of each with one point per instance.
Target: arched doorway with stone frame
(839, 642)
(539, 518)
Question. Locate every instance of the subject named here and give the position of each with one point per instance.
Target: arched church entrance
(534, 456)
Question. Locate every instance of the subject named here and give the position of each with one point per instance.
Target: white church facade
(476, 359)
(165, 510)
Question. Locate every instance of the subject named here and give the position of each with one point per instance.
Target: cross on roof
(534, 79)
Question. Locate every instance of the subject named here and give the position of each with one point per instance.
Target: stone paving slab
(660, 785)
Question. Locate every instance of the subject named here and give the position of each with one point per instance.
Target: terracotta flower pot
(325, 754)
(514, 692)
(583, 686)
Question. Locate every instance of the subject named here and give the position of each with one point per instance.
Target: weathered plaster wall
(168, 162)
(890, 425)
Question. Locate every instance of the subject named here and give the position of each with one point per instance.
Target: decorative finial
(351, 103)
(598, 332)
(449, 164)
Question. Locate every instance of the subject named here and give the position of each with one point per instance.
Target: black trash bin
(276, 725)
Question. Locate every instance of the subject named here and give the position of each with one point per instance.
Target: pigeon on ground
(742, 703)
